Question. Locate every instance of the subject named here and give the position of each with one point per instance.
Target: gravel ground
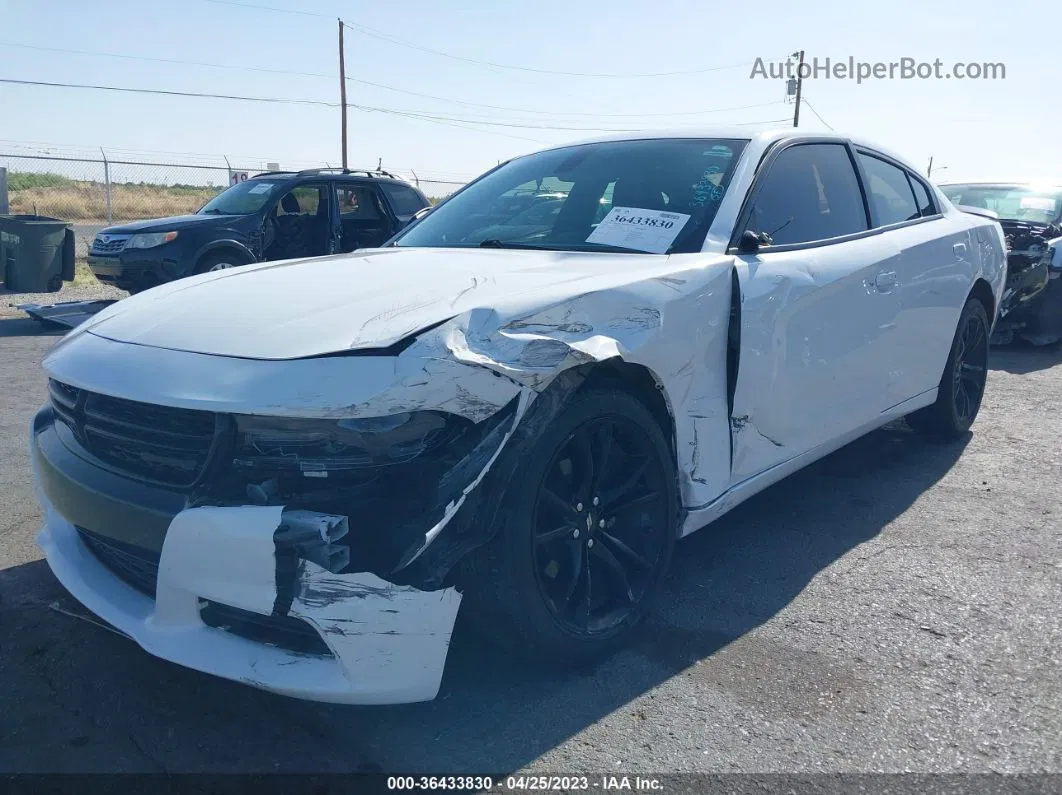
(894, 607)
(86, 288)
(71, 291)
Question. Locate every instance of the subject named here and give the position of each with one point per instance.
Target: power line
(288, 100)
(278, 100)
(272, 8)
(755, 123)
(402, 43)
(266, 70)
(372, 32)
(817, 116)
(493, 123)
(367, 31)
(284, 100)
(452, 121)
(177, 61)
(281, 100)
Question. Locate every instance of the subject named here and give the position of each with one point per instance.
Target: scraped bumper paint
(388, 642)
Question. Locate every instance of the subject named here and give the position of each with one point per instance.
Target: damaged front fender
(674, 324)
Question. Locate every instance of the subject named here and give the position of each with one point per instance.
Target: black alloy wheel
(970, 369)
(962, 384)
(595, 546)
(587, 514)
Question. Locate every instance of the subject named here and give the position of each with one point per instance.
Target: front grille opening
(140, 568)
(112, 246)
(133, 565)
(160, 444)
(287, 632)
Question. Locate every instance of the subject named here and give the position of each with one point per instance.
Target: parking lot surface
(895, 606)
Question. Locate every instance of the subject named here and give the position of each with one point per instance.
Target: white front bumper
(389, 642)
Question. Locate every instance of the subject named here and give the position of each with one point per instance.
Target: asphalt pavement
(894, 607)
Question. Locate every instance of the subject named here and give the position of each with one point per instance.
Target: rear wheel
(962, 386)
(588, 526)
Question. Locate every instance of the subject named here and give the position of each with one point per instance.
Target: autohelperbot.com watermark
(851, 69)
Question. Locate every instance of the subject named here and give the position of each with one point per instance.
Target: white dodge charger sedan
(294, 474)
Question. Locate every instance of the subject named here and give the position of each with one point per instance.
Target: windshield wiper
(492, 243)
(598, 248)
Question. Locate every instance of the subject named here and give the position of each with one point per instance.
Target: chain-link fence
(94, 193)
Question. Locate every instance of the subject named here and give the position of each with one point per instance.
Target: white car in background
(293, 474)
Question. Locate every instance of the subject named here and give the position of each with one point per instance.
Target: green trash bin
(34, 253)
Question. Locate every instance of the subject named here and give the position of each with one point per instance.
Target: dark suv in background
(271, 216)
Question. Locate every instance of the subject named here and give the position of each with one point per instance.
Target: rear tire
(962, 385)
(587, 527)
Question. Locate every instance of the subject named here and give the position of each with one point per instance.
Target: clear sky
(1009, 128)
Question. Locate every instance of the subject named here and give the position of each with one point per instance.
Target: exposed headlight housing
(317, 447)
(150, 240)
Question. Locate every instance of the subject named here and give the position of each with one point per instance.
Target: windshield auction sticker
(643, 230)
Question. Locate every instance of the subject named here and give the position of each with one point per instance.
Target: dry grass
(83, 275)
(86, 200)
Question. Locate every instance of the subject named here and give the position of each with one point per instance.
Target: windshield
(1010, 202)
(657, 196)
(243, 198)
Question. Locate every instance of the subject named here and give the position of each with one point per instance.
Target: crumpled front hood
(369, 299)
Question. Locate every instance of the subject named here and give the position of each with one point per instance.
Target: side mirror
(749, 242)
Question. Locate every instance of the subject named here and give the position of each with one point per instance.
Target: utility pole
(343, 94)
(800, 85)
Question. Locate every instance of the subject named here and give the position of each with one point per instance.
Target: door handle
(885, 281)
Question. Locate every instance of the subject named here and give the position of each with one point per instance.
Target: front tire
(962, 386)
(588, 523)
(218, 262)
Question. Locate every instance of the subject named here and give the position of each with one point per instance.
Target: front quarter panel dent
(679, 335)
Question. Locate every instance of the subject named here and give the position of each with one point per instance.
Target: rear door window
(926, 205)
(358, 203)
(405, 200)
(889, 191)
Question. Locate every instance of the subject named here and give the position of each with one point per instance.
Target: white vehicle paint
(836, 338)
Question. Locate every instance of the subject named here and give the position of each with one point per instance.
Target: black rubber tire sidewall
(504, 599)
(940, 420)
(210, 260)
